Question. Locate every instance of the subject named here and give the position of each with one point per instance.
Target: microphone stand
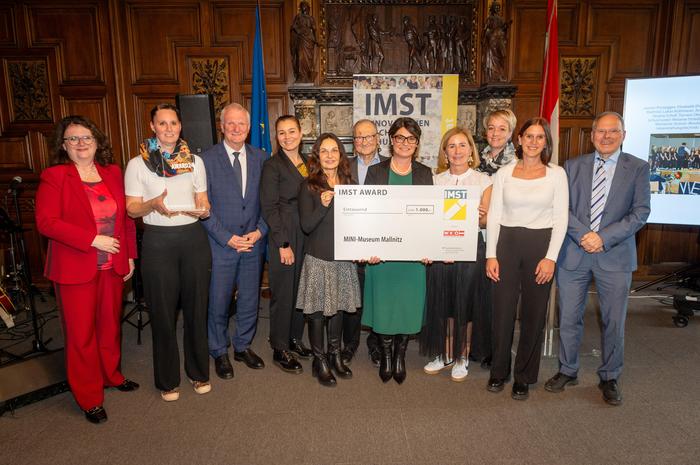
(37, 344)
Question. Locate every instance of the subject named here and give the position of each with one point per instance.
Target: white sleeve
(133, 187)
(199, 175)
(560, 213)
(484, 182)
(493, 223)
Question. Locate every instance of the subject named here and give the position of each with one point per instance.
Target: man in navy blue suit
(609, 201)
(235, 230)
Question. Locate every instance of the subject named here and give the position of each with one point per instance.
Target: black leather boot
(387, 343)
(399, 361)
(320, 368)
(335, 359)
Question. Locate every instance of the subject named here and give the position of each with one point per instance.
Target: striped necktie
(598, 194)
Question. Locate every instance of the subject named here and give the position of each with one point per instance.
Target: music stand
(140, 306)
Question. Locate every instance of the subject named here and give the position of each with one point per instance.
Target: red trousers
(91, 314)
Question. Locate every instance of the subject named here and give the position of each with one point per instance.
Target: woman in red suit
(80, 208)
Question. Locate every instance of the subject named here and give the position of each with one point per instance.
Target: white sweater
(529, 203)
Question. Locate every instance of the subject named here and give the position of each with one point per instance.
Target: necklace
(87, 173)
(398, 171)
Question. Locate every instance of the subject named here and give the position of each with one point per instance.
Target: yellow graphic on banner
(455, 209)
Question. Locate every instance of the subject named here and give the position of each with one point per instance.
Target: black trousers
(286, 321)
(176, 267)
(519, 250)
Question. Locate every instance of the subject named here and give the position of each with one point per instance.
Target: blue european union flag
(259, 120)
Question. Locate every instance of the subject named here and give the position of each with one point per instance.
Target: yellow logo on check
(454, 209)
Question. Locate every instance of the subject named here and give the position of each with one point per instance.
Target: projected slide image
(674, 160)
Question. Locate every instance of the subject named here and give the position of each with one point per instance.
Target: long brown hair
(103, 153)
(278, 147)
(317, 178)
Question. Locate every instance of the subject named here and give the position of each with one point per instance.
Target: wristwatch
(285, 245)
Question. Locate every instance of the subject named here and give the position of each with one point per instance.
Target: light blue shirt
(362, 168)
(609, 167)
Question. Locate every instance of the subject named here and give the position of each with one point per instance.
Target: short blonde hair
(443, 163)
(504, 114)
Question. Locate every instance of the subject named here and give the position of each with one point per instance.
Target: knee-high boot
(385, 361)
(320, 367)
(399, 360)
(335, 328)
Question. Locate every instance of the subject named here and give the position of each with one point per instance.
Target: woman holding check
(394, 295)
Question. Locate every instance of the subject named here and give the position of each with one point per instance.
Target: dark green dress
(394, 297)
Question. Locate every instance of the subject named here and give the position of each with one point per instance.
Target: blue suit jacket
(626, 210)
(231, 213)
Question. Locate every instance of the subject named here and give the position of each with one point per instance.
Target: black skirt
(454, 295)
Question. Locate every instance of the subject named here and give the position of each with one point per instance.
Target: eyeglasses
(364, 139)
(75, 140)
(607, 132)
(410, 140)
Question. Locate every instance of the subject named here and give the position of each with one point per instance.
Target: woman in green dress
(394, 296)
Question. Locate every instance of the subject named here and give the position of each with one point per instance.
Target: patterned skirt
(328, 287)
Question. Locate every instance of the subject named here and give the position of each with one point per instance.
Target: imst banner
(430, 99)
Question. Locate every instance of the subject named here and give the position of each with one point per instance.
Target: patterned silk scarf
(491, 165)
(166, 164)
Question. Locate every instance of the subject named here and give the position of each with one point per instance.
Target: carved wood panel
(14, 154)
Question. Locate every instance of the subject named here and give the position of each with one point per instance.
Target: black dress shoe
(557, 382)
(96, 415)
(495, 384)
(521, 391)
(286, 361)
(127, 385)
(611, 392)
(375, 355)
(486, 363)
(347, 355)
(298, 348)
(223, 367)
(250, 358)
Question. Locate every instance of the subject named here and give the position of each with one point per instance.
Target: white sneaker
(437, 365)
(460, 370)
(170, 396)
(201, 387)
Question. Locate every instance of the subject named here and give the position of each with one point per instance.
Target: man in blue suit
(609, 199)
(235, 230)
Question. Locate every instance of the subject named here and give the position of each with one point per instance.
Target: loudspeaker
(32, 379)
(198, 121)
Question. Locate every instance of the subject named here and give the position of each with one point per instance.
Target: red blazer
(64, 215)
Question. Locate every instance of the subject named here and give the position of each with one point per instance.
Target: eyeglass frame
(75, 141)
(399, 139)
(364, 139)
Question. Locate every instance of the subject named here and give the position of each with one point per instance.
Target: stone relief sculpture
(303, 43)
(412, 38)
(495, 35)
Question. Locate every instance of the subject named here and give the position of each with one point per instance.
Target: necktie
(598, 194)
(237, 170)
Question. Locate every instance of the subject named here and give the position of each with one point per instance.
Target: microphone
(14, 184)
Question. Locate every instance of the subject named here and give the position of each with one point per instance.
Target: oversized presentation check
(406, 222)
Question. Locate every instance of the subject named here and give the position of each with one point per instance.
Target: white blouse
(529, 203)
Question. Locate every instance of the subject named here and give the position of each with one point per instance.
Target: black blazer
(279, 189)
(379, 174)
(353, 168)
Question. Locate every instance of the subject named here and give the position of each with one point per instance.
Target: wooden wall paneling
(527, 41)
(8, 33)
(15, 154)
(276, 107)
(685, 39)
(568, 23)
(629, 29)
(75, 32)
(234, 24)
(154, 32)
(94, 108)
(214, 70)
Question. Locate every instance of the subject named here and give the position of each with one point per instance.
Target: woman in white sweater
(527, 223)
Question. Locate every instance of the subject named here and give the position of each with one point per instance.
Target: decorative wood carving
(495, 44)
(578, 79)
(29, 88)
(302, 44)
(210, 75)
(392, 36)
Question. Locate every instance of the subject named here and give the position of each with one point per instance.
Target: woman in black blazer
(282, 175)
(394, 293)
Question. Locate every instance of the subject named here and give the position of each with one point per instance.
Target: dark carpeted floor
(271, 417)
